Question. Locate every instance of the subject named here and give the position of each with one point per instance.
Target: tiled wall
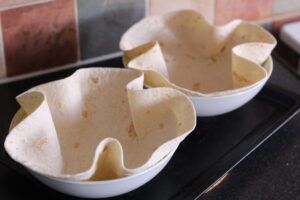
(42, 34)
(227, 10)
(220, 12)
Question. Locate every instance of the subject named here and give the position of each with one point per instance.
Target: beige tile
(8, 4)
(250, 10)
(285, 6)
(205, 7)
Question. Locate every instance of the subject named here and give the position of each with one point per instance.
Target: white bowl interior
(217, 105)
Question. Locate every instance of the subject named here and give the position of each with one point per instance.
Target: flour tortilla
(181, 50)
(98, 124)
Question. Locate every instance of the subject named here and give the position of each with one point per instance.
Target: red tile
(252, 10)
(40, 36)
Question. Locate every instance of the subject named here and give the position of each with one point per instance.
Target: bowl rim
(19, 116)
(122, 179)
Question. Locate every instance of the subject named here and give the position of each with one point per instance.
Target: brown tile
(205, 7)
(8, 4)
(278, 22)
(251, 10)
(40, 36)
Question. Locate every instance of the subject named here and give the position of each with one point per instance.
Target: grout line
(147, 8)
(284, 16)
(26, 4)
(77, 30)
(2, 53)
(60, 68)
(214, 13)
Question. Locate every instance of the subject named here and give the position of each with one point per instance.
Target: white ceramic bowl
(96, 189)
(211, 106)
(102, 189)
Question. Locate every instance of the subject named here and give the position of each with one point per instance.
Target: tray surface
(209, 152)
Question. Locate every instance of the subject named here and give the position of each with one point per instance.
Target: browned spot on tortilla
(244, 37)
(196, 86)
(140, 63)
(198, 18)
(189, 56)
(105, 149)
(202, 46)
(161, 125)
(222, 49)
(58, 104)
(95, 80)
(124, 101)
(76, 145)
(213, 58)
(40, 143)
(154, 51)
(161, 44)
(161, 84)
(85, 114)
(239, 77)
(179, 124)
(131, 131)
(148, 112)
(167, 60)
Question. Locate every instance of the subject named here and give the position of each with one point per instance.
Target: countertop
(271, 172)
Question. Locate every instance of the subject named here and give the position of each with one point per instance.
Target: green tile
(102, 23)
(285, 6)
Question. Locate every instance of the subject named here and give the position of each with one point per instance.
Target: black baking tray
(216, 146)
